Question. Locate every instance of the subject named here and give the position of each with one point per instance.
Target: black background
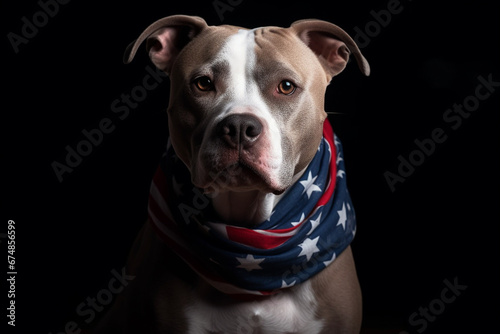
(440, 224)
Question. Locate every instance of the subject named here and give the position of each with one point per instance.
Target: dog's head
(246, 107)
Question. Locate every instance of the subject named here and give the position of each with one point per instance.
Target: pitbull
(246, 121)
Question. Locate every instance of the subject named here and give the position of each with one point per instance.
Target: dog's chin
(238, 177)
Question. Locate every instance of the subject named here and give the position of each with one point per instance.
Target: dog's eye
(286, 87)
(204, 84)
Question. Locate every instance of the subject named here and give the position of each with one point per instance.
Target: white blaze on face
(239, 52)
(243, 95)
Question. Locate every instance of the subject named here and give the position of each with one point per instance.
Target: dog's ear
(165, 38)
(331, 44)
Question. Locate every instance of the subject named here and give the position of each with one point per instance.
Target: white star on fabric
(309, 185)
(341, 173)
(249, 263)
(272, 213)
(309, 247)
(284, 285)
(326, 263)
(342, 216)
(300, 220)
(315, 223)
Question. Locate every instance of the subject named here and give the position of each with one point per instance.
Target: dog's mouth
(241, 174)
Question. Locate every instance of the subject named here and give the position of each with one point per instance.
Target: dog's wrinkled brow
(217, 69)
(220, 67)
(275, 69)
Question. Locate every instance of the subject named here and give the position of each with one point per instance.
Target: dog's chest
(292, 311)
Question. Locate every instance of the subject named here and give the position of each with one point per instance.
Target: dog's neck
(245, 209)
(250, 208)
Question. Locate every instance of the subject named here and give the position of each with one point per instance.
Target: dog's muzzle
(239, 131)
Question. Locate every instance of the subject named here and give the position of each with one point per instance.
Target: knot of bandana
(310, 226)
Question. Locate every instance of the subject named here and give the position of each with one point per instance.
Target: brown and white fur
(228, 107)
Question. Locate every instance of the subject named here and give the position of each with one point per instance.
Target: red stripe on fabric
(254, 239)
(328, 135)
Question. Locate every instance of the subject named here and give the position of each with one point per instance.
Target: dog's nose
(239, 130)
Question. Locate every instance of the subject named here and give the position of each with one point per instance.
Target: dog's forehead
(236, 45)
(221, 46)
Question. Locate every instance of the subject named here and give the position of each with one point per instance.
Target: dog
(250, 221)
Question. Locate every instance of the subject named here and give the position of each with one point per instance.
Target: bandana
(309, 227)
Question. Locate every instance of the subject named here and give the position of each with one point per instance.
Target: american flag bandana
(310, 226)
